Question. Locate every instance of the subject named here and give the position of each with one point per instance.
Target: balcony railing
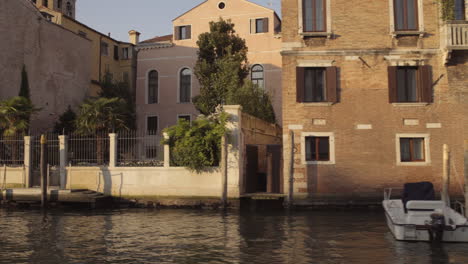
(457, 35)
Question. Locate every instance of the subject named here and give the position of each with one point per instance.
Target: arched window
(185, 86)
(69, 9)
(258, 76)
(153, 86)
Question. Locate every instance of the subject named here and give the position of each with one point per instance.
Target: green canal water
(191, 236)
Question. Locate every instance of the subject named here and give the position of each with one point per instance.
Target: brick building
(371, 92)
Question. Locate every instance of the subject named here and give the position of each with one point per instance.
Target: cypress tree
(24, 89)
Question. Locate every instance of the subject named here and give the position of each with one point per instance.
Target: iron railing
(90, 150)
(12, 151)
(139, 149)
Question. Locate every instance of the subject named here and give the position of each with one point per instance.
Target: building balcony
(457, 36)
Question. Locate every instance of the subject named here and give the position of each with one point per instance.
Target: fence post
(44, 168)
(224, 173)
(27, 160)
(112, 150)
(63, 148)
(167, 152)
(446, 175)
(466, 177)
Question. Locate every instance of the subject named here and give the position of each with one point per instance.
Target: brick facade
(362, 44)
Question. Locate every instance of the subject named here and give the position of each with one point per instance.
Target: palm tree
(101, 115)
(15, 114)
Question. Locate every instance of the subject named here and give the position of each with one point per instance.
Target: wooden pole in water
(224, 173)
(466, 177)
(43, 169)
(446, 175)
(291, 170)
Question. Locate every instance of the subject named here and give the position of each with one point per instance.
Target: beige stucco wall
(362, 47)
(264, 49)
(57, 61)
(13, 177)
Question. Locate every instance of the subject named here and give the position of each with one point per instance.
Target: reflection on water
(184, 236)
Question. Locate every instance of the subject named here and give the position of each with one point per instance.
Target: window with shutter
(410, 84)
(259, 25)
(183, 32)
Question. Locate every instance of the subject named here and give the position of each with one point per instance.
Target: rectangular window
(412, 150)
(152, 125)
(407, 84)
(187, 118)
(314, 15)
(183, 32)
(259, 25)
(104, 49)
(406, 15)
(410, 84)
(317, 148)
(314, 85)
(125, 53)
(45, 3)
(82, 33)
(459, 10)
(59, 4)
(116, 52)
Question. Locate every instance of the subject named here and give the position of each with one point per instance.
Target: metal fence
(12, 151)
(88, 150)
(139, 149)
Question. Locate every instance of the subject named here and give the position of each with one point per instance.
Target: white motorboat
(413, 219)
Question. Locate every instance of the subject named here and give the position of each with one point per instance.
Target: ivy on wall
(448, 9)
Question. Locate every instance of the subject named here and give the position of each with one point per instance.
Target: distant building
(166, 82)
(56, 59)
(108, 55)
(371, 92)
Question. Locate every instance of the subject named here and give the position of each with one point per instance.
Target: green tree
(66, 122)
(221, 70)
(197, 145)
(14, 115)
(112, 89)
(24, 88)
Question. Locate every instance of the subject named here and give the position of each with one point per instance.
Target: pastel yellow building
(107, 54)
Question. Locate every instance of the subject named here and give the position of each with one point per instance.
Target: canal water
(192, 236)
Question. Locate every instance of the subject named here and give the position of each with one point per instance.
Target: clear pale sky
(150, 17)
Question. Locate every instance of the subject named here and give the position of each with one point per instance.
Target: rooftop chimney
(134, 36)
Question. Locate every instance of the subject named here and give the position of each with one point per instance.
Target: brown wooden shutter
(265, 25)
(300, 84)
(189, 31)
(252, 26)
(331, 82)
(176, 33)
(425, 84)
(392, 84)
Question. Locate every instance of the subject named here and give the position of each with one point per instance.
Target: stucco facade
(169, 55)
(363, 124)
(56, 59)
(107, 54)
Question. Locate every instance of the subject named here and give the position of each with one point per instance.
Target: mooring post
(446, 175)
(291, 170)
(224, 173)
(43, 168)
(466, 177)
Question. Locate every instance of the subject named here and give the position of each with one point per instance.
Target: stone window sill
(409, 104)
(318, 104)
(316, 34)
(408, 33)
(414, 163)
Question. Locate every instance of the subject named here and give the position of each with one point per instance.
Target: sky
(150, 17)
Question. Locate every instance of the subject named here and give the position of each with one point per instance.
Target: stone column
(63, 148)
(235, 149)
(167, 152)
(112, 150)
(27, 160)
(466, 175)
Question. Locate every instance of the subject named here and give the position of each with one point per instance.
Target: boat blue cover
(418, 191)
